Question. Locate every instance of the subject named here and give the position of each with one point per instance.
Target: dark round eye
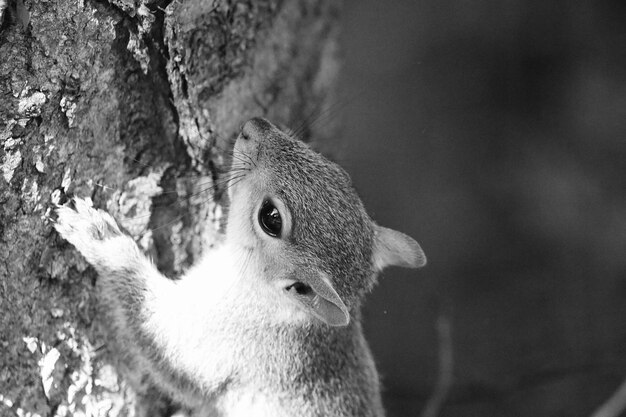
(269, 219)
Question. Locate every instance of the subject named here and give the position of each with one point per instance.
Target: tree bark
(134, 103)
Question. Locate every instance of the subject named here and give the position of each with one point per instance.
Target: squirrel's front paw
(82, 225)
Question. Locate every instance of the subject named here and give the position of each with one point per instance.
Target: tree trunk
(134, 103)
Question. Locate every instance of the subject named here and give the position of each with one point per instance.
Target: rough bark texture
(134, 103)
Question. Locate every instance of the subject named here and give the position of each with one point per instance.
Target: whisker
(234, 183)
(211, 191)
(241, 157)
(227, 177)
(237, 156)
(295, 132)
(206, 200)
(249, 158)
(318, 114)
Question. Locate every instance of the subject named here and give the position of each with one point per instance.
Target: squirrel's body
(267, 323)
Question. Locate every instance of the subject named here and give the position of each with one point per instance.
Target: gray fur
(332, 231)
(305, 368)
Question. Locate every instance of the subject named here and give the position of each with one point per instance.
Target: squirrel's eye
(269, 219)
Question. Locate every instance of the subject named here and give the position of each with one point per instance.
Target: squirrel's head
(304, 228)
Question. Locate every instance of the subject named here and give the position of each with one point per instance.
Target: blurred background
(494, 132)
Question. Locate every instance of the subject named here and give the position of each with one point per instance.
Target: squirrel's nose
(255, 128)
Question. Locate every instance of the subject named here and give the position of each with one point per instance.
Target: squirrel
(267, 323)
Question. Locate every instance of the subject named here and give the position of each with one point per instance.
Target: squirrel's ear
(316, 294)
(395, 248)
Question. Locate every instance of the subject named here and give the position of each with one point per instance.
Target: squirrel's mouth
(299, 288)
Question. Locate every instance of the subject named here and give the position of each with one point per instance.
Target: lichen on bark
(132, 103)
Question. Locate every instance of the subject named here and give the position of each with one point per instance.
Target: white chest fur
(209, 325)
